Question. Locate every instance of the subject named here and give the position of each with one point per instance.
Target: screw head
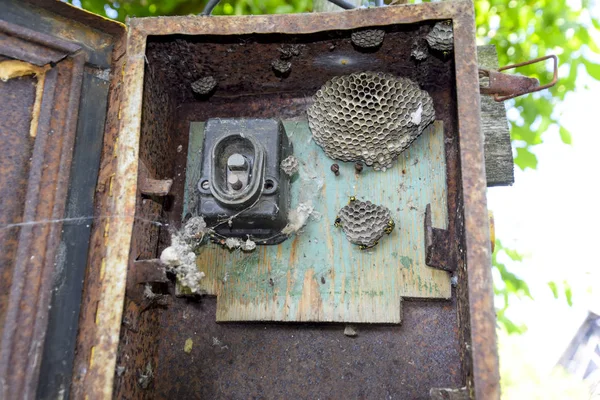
(335, 169)
(205, 185)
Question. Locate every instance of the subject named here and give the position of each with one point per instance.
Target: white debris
(169, 257)
(180, 255)
(415, 117)
(248, 245)
(350, 331)
(297, 218)
(235, 243)
(148, 293)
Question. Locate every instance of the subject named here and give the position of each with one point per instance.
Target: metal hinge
(505, 87)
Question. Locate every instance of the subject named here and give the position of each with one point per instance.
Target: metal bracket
(505, 87)
(438, 246)
(149, 271)
(152, 187)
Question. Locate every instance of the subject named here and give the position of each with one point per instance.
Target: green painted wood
(318, 275)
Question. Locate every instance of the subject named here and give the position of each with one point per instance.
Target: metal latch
(505, 87)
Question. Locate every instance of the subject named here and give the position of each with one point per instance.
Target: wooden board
(318, 275)
(499, 165)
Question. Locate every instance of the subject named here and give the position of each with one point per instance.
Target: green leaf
(565, 135)
(568, 293)
(513, 254)
(525, 159)
(552, 286)
(592, 69)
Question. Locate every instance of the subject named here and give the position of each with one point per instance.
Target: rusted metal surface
(92, 33)
(139, 347)
(18, 97)
(290, 361)
(505, 87)
(482, 318)
(87, 338)
(152, 187)
(467, 159)
(37, 48)
(149, 271)
(438, 245)
(44, 203)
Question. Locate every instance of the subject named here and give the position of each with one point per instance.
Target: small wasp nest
(290, 165)
(204, 85)
(281, 66)
(370, 117)
(441, 37)
(368, 38)
(364, 223)
(419, 49)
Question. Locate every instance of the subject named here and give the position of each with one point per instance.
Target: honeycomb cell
(204, 86)
(364, 223)
(352, 125)
(441, 37)
(367, 38)
(290, 165)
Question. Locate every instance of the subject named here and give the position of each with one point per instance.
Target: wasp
(390, 226)
(338, 222)
(352, 198)
(363, 247)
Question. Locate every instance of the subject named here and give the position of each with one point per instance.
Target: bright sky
(552, 214)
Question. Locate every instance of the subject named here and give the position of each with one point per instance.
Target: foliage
(507, 286)
(120, 10)
(520, 30)
(523, 377)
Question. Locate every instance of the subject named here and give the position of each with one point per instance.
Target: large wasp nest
(364, 223)
(368, 38)
(441, 37)
(369, 116)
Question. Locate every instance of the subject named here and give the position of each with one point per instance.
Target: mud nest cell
(281, 66)
(290, 165)
(364, 223)
(368, 38)
(370, 117)
(204, 86)
(441, 37)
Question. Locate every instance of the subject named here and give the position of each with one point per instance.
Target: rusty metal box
(110, 110)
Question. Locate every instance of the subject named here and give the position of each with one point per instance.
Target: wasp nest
(364, 223)
(281, 66)
(441, 37)
(368, 38)
(204, 85)
(290, 165)
(419, 49)
(370, 117)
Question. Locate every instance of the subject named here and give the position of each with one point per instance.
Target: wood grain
(499, 166)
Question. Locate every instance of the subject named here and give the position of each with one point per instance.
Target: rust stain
(310, 304)
(293, 251)
(11, 69)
